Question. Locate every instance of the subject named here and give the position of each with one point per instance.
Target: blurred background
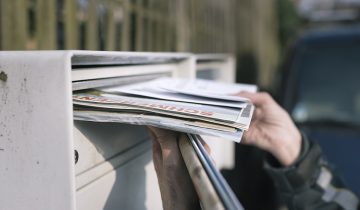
(257, 32)
(248, 28)
(305, 52)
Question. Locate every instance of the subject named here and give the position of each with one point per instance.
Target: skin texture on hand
(272, 129)
(176, 187)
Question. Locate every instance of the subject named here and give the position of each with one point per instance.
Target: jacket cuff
(301, 174)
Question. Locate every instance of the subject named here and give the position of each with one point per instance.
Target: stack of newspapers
(191, 106)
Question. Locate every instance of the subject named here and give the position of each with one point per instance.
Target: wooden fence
(129, 25)
(242, 27)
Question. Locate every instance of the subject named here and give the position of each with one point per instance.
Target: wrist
(288, 150)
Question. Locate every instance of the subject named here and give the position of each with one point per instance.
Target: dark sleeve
(310, 183)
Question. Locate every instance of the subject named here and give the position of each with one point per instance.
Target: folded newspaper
(191, 106)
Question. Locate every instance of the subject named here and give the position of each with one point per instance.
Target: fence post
(110, 26)
(139, 15)
(182, 23)
(125, 34)
(71, 25)
(46, 25)
(13, 24)
(91, 34)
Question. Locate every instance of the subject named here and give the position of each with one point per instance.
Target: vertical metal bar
(208, 45)
(46, 32)
(149, 36)
(91, 33)
(110, 26)
(71, 25)
(125, 36)
(231, 37)
(167, 26)
(139, 13)
(145, 22)
(165, 19)
(181, 26)
(160, 27)
(155, 34)
(193, 27)
(13, 24)
(155, 24)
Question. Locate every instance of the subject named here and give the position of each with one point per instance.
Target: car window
(328, 84)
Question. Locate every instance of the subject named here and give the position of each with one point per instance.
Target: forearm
(308, 183)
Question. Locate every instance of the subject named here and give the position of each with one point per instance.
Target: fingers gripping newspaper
(191, 106)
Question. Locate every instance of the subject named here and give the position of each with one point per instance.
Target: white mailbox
(39, 140)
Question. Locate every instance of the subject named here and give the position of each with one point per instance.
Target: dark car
(321, 91)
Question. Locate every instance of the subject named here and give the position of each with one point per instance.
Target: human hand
(176, 187)
(272, 129)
